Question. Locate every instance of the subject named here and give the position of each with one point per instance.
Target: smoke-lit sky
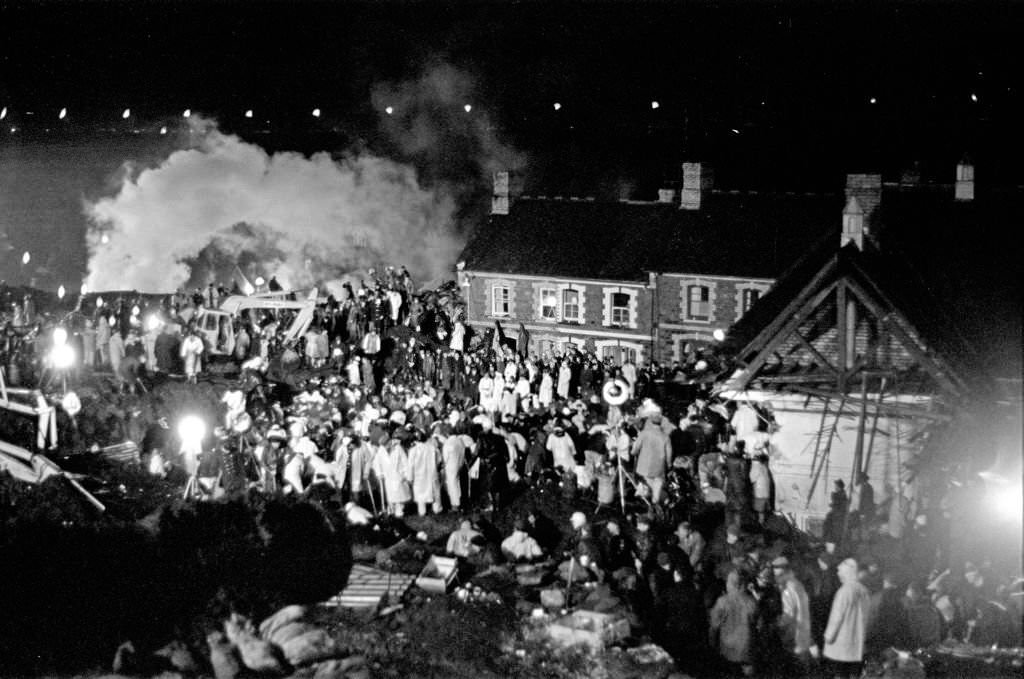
(780, 95)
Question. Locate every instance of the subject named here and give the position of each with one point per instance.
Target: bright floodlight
(558, 107)
(191, 429)
(248, 113)
(655, 105)
(135, 310)
(316, 113)
(85, 289)
(260, 281)
(99, 302)
(163, 130)
(718, 334)
(61, 292)
(105, 238)
(3, 113)
(63, 114)
(153, 322)
(701, 366)
(1006, 500)
(187, 113)
(974, 98)
(127, 113)
(60, 336)
(249, 289)
(389, 110)
(62, 356)
(26, 258)
(112, 321)
(467, 108)
(873, 100)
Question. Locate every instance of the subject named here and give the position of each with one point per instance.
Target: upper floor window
(698, 305)
(571, 305)
(620, 308)
(748, 298)
(548, 304)
(501, 300)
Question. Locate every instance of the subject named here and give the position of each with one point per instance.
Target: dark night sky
(776, 95)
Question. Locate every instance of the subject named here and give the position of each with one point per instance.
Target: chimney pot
(964, 189)
(666, 195)
(867, 189)
(698, 178)
(853, 224)
(507, 187)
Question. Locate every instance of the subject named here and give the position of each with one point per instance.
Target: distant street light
(60, 292)
(248, 113)
(3, 113)
(26, 258)
(655, 105)
(187, 113)
(163, 130)
(127, 113)
(467, 108)
(558, 107)
(105, 238)
(316, 113)
(63, 114)
(389, 110)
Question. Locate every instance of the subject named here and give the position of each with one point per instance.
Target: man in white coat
(488, 395)
(191, 350)
(453, 457)
(847, 623)
(424, 458)
(391, 465)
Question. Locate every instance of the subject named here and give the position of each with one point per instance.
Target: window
(749, 298)
(571, 305)
(618, 354)
(548, 304)
(620, 308)
(698, 306)
(500, 300)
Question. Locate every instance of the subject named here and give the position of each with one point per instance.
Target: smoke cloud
(223, 202)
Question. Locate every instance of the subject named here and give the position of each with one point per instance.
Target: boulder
(310, 647)
(281, 618)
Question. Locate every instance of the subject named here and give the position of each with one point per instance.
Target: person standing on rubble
(191, 350)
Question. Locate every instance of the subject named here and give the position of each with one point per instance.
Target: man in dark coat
(493, 454)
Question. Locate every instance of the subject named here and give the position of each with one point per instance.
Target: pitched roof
(745, 235)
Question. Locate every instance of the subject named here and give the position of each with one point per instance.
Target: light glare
(127, 113)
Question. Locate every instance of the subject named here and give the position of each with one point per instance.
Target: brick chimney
(698, 178)
(853, 224)
(867, 189)
(507, 187)
(964, 180)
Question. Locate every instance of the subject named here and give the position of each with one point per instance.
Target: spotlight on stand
(62, 356)
(191, 430)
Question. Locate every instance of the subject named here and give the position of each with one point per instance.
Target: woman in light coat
(191, 350)
(424, 459)
(547, 389)
(391, 465)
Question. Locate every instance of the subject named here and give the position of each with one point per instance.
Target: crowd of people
(395, 404)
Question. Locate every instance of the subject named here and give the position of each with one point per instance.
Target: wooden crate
(438, 575)
(593, 629)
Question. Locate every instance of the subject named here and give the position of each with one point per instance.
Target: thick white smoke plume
(223, 202)
(307, 220)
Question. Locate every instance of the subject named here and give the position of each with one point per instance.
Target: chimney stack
(853, 224)
(697, 178)
(964, 190)
(867, 189)
(507, 187)
(666, 195)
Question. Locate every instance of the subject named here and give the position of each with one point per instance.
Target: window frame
(578, 317)
(705, 300)
(507, 300)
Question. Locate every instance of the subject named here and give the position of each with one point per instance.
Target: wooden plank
(821, 430)
(906, 411)
(874, 426)
(772, 328)
(828, 450)
(932, 365)
(776, 341)
(841, 332)
(814, 352)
